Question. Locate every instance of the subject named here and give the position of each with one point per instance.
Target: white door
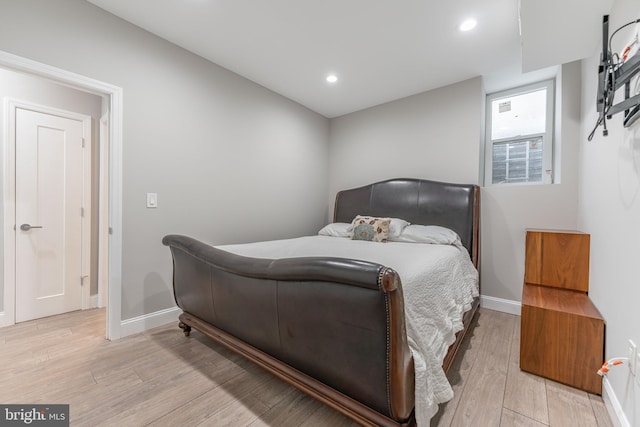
(49, 196)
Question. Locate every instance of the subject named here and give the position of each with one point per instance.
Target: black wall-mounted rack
(612, 76)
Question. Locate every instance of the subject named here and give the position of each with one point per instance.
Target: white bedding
(437, 290)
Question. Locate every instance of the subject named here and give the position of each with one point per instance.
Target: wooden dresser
(562, 332)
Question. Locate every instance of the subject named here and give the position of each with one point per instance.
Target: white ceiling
(380, 50)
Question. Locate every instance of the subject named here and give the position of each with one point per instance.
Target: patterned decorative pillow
(371, 228)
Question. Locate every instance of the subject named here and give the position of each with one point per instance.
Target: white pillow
(429, 234)
(396, 227)
(337, 229)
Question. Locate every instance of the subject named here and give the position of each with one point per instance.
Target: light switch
(152, 200)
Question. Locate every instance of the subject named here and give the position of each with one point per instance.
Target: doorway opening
(108, 232)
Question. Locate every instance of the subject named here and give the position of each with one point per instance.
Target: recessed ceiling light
(332, 78)
(468, 24)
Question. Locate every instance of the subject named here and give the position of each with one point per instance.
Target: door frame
(10, 164)
(110, 179)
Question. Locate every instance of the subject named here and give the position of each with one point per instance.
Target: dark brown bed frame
(269, 311)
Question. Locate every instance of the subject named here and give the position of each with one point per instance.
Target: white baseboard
(613, 406)
(3, 318)
(93, 301)
(499, 304)
(139, 324)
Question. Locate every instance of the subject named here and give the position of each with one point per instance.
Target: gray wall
(432, 135)
(609, 210)
(40, 91)
(230, 160)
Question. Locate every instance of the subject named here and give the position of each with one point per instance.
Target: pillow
(370, 228)
(336, 229)
(429, 234)
(396, 227)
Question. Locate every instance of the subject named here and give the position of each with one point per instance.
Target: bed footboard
(332, 327)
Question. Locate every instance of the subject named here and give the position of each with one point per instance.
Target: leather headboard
(455, 206)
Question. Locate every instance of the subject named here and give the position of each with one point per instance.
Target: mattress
(439, 284)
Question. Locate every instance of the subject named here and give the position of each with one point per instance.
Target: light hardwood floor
(163, 378)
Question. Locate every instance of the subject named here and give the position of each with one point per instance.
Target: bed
(328, 314)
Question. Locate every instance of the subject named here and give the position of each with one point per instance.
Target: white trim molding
(143, 323)
(499, 304)
(613, 406)
(93, 301)
(9, 263)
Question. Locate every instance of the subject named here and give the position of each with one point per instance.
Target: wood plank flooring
(162, 378)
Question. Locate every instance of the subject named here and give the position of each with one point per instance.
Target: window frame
(547, 135)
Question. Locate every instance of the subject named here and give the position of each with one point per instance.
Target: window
(519, 139)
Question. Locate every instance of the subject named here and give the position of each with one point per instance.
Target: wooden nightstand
(562, 332)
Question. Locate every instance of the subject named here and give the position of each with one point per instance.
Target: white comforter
(439, 284)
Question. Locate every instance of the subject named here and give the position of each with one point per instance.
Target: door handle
(27, 227)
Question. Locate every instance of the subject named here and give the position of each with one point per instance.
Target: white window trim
(547, 136)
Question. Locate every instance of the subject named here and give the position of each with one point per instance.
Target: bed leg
(185, 328)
